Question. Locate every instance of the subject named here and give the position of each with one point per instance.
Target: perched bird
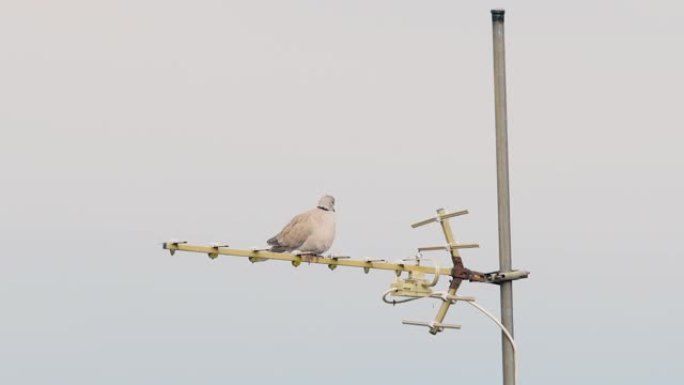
(311, 232)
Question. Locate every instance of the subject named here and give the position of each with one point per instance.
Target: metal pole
(503, 193)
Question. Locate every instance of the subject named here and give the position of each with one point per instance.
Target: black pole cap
(498, 14)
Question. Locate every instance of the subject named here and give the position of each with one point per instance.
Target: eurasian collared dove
(311, 232)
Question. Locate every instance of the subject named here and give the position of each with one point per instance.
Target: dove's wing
(294, 233)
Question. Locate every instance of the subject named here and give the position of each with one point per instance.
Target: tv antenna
(412, 281)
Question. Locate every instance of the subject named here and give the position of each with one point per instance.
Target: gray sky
(127, 123)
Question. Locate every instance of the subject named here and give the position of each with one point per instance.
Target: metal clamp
(503, 276)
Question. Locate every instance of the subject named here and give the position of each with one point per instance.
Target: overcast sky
(127, 123)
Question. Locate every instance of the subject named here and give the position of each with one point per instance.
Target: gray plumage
(311, 232)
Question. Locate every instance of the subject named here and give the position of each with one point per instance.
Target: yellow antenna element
(331, 261)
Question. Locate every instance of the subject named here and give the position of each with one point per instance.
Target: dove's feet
(308, 257)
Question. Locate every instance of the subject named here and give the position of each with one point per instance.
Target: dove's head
(327, 203)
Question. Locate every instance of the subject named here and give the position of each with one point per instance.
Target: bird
(309, 233)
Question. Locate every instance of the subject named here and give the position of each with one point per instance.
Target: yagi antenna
(415, 285)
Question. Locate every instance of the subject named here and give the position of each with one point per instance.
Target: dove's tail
(276, 247)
